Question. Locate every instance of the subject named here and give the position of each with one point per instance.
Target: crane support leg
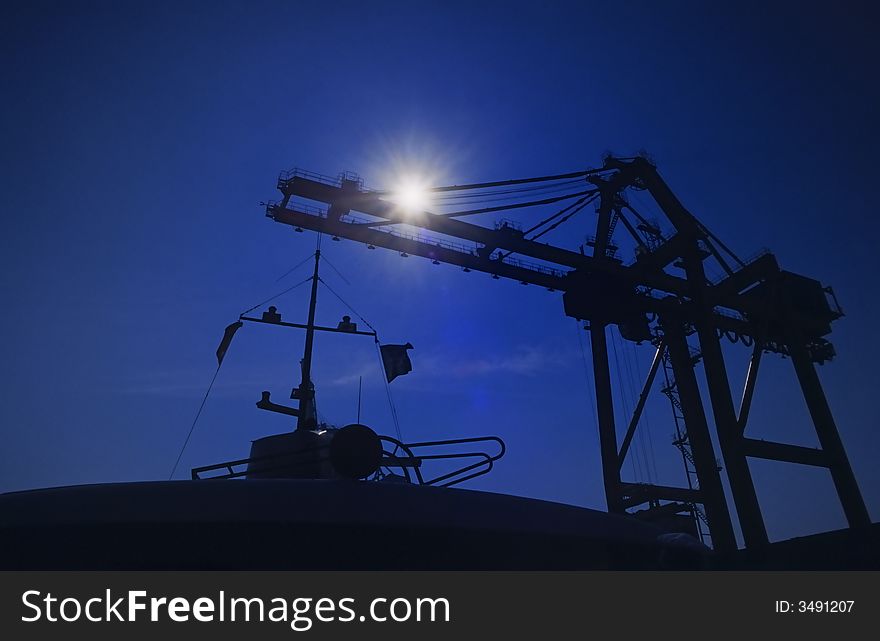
(829, 438)
(717, 513)
(730, 439)
(605, 411)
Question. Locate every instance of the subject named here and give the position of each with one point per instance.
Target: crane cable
(533, 203)
(640, 444)
(650, 432)
(588, 380)
(644, 434)
(578, 206)
(635, 463)
(504, 194)
(504, 183)
(503, 199)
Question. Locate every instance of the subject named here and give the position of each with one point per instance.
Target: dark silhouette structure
(663, 296)
(316, 450)
(305, 485)
(274, 524)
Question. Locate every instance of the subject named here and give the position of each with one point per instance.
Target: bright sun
(412, 196)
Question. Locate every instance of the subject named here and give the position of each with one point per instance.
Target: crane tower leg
(829, 438)
(730, 438)
(720, 526)
(605, 411)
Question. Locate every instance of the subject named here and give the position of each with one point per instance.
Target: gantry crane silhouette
(663, 296)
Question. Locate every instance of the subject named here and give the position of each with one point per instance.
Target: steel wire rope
(485, 200)
(579, 205)
(501, 192)
(647, 415)
(338, 273)
(504, 183)
(588, 380)
(343, 301)
(214, 379)
(271, 298)
(297, 266)
(392, 407)
(533, 203)
(630, 370)
(622, 404)
(633, 388)
(192, 427)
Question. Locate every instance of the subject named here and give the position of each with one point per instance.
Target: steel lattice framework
(663, 296)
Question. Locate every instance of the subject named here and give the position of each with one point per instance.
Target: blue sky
(139, 140)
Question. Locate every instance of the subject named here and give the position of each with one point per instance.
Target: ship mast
(307, 418)
(354, 451)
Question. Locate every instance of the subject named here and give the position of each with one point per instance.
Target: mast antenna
(360, 384)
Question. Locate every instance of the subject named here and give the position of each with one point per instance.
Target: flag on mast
(395, 360)
(227, 339)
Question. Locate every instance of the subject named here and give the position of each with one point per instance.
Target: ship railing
(402, 456)
(232, 473)
(482, 466)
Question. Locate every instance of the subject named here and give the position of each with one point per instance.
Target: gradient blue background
(139, 138)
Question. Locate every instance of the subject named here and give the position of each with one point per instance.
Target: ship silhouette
(326, 497)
